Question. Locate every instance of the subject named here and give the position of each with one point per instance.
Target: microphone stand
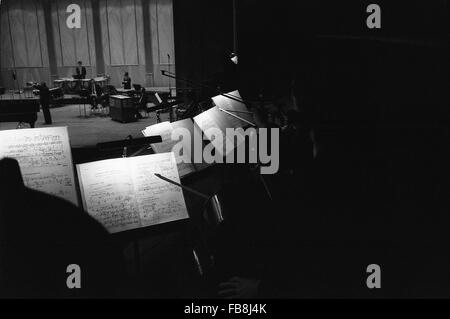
(15, 83)
(170, 82)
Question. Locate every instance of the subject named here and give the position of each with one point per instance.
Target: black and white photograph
(224, 154)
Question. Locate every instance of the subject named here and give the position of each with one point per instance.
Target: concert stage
(65, 100)
(97, 128)
(68, 99)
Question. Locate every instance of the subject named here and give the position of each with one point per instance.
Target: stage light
(234, 58)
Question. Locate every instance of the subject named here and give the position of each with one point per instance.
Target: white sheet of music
(44, 158)
(158, 201)
(214, 118)
(124, 193)
(209, 120)
(231, 105)
(165, 129)
(108, 194)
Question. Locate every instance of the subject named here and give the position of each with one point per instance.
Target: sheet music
(206, 121)
(165, 130)
(44, 158)
(108, 194)
(158, 201)
(124, 194)
(214, 118)
(158, 98)
(233, 105)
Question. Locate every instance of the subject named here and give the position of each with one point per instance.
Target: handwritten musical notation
(214, 118)
(165, 130)
(124, 194)
(108, 194)
(211, 120)
(44, 158)
(159, 201)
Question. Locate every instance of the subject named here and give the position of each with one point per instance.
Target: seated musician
(141, 104)
(97, 95)
(126, 83)
(80, 71)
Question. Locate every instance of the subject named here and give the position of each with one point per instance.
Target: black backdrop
(274, 38)
(378, 98)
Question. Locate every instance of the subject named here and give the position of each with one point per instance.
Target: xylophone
(74, 86)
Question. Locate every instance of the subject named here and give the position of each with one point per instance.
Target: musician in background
(141, 104)
(45, 98)
(97, 95)
(126, 81)
(80, 71)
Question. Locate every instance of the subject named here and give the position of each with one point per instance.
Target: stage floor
(87, 132)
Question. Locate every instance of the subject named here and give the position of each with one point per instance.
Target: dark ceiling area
(278, 40)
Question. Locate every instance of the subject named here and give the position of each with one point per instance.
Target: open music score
(227, 113)
(165, 129)
(124, 194)
(44, 158)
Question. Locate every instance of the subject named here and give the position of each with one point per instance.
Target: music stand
(143, 142)
(129, 141)
(227, 95)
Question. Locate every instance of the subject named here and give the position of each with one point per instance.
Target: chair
(100, 101)
(137, 87)
(111, 90)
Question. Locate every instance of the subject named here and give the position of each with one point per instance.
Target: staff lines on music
(124, 194)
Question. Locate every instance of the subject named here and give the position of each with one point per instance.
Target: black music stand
(123, 145)
(230, 96)
(218, 92)
(142, 142)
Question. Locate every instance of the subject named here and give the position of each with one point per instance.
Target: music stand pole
(170, 82)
